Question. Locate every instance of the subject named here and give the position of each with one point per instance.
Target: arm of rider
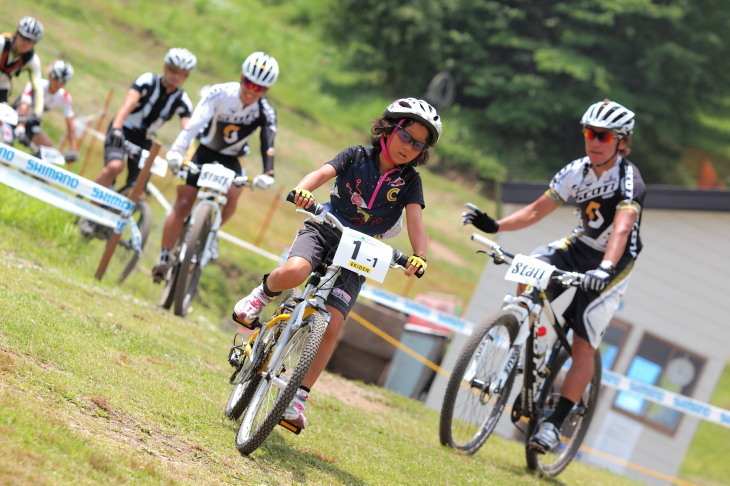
(263, 181)
(303, 197)
(528, 215)
(419, 241)
(71, 136)
(623, 222)
(36, 79)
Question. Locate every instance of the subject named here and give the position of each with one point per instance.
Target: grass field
(98, 385)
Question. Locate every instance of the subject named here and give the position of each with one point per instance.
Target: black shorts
(137, 137)
(317, 244)
(204, 155)
(590, 312)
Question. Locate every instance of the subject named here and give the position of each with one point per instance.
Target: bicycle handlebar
(320, 212)
(500, 255)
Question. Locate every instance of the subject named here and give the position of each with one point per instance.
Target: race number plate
(216, 177)
(530, 271)
(363, 254)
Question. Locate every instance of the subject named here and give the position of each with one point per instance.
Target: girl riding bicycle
(373, 185)
(609, 192)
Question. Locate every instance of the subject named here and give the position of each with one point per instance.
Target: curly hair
(382, 126)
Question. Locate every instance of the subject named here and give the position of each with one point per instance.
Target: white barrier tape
(63, 178)
(411, 307)
(62, 200)
(675, 401)
(34, 177)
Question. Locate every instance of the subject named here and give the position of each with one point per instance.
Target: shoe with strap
(249, 308)
(294, 413)
(546, 438)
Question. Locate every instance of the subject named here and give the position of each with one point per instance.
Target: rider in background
(373, 186)
(55, 97)
(609, 193)
(223, 120)
(150, 101)
(17, 55)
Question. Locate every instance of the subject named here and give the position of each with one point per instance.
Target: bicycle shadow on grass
(528, 475)
(299, 460)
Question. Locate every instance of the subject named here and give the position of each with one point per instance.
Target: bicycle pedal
(254, 325)
(290, 426)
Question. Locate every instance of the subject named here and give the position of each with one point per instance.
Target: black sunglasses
(406, 137)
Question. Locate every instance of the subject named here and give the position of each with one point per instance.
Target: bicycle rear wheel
(248, 375)
(576, 424)
(190, 268)
(277, 390)
(470, 411)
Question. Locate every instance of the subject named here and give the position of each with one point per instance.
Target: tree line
(524, 71)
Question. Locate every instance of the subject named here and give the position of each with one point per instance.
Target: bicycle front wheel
(143, 217)
(574, 427)
(249, 376)
(278, 387)
(473, 402)
(190, 268)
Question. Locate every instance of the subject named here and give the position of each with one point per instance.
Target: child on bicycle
(223, 121)
(609, 193)
(372, 187)
(55, 97)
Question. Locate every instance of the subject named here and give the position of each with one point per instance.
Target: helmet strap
(385, 146)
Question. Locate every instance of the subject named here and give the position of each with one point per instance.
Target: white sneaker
(294, 413)
(546, 438)
(249, 308)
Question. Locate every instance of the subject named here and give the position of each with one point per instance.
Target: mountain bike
(271, 364)
(125, 256)
(197, 244)
(505, 345)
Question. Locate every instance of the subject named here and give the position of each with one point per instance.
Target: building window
(662, 364)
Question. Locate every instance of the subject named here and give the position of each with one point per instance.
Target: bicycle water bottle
(542, 344)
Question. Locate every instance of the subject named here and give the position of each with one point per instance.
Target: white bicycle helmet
(419, 111)
(182, 58)
(611, 115)
(30, 28)
(60, 70)
(261, 69)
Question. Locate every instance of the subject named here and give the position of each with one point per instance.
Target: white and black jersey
(224, 125)
(598, 199)
(155, 105)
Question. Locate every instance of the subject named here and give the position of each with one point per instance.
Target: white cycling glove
(20, 132)
(174, 160)
(262, 181)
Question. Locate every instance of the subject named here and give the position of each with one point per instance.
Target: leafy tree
(526, 70)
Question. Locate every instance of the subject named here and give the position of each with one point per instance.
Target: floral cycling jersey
(367, 201)
(598, 200)
(224, 125)
(155, 105)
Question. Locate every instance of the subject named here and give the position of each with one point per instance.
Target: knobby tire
(190, 269)
(574, 427)
(269, 403)
(243, 391)
(468, 414)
